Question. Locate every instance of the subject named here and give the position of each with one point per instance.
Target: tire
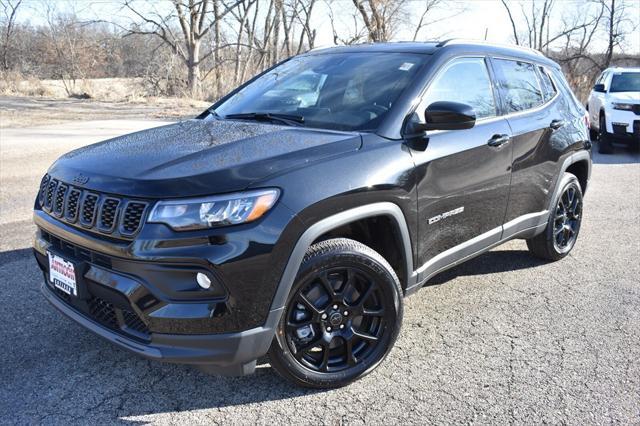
(345, 296)
(593, 135)
(604, 139)
(563, 226)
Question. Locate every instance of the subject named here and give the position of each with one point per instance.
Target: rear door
(462, 175)
(537, 117)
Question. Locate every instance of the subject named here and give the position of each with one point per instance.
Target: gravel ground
(503, 338)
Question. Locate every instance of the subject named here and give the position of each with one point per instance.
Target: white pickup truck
(614, 108)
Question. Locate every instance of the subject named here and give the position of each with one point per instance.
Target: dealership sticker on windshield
(62, 274)
(406, 66)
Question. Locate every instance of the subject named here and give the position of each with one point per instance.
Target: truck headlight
(622, 106)
(209, 212)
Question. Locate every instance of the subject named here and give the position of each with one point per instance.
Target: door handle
(498, 140)
(556, 124)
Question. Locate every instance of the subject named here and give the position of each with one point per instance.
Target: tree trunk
(193, 66)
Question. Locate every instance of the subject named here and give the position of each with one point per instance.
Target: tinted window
(625, 82)
(548, 89)
(519, 85)
(341, 91)
(466, 81)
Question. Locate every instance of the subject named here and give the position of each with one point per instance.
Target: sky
(477, 19)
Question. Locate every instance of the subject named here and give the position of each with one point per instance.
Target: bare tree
(429, 8)
(10, 11)
(380, 17)
(196, 18)
(618, 26)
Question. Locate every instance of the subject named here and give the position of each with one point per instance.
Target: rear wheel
(342, 317)
(604, 139)
(563, 226)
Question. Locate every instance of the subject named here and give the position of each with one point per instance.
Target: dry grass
(29, 101)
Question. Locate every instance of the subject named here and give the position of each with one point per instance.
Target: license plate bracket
(62, 274)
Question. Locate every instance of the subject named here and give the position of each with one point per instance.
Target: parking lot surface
(504, 338)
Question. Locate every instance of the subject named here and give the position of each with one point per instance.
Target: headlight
(209, 212)
(624, 107)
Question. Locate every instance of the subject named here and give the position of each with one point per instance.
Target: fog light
(203, 280)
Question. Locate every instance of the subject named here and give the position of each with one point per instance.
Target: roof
(432, 47)
(623, 69)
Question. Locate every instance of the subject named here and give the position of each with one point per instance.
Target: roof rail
(471, 41)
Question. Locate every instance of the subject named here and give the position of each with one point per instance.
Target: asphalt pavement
(504, 338)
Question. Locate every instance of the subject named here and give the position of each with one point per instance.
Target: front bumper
(226, 353)
(135, 294)
(623, 124)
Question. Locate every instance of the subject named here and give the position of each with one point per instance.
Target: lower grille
(103, 312)
(107, 314)
(134, 322)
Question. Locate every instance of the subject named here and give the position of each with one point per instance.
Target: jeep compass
(293, 216)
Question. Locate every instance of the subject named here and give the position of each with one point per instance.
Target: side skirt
(526, 226)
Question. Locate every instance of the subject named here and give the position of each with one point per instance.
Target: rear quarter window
(519, 85)
(546, 84)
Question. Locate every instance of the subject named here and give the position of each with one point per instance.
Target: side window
(519, 85)
(464, 80)
(548, 88)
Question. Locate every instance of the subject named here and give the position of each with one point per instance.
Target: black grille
(636, 109)
(43, 185)
(72, 205)
(134, 322)
(51, 189)
(108, 214)
(89, 209)
(103, 312)
(121, 218)
(132, 217)
(58, 205)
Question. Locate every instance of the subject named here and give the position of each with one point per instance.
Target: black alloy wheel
(337, 319)
(342, 317)
(563, 226)
(567, 219)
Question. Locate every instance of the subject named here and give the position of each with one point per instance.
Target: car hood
(634, 97)
(197, 157)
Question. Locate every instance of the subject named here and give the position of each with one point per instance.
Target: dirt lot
(502, 339)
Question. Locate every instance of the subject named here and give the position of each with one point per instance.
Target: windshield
(625, 82)
(333, 91)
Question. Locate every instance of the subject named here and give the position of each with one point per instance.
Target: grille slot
(108, 214)
(103, 312)
(132, 217)
(51, 189)
(43, 185)
(134, 322)
(118, 217)
(58, 205)
(73, 202)
(89, 206)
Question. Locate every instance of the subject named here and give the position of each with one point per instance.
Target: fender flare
(575, 157)
(319, 228)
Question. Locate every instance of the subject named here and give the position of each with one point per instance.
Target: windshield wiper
(289, 119)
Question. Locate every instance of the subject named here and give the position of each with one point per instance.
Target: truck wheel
(563, 226)
(604, 139)
(342, 317)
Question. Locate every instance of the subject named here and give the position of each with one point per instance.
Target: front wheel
(342, 317)
(563, 226)
(604, 139)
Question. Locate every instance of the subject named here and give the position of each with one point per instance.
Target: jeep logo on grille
(81, 179)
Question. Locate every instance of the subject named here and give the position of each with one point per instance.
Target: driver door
(463, 175)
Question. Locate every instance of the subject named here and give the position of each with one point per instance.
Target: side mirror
(599, 88)
(444, 115)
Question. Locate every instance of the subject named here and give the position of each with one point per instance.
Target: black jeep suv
(293, 216)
